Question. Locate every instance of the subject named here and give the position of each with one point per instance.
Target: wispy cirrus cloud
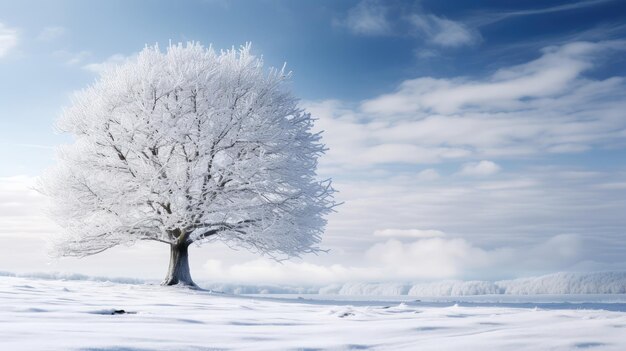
(486, 19)
(369, 17)
(443, 32)
(375, 18)
(558, 70)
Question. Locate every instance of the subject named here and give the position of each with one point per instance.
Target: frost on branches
(189, 146)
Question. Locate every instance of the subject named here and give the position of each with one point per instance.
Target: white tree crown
(188, 146)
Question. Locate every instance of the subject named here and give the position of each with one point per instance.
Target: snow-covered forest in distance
(551, 284)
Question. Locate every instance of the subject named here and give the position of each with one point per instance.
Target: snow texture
(85, 315)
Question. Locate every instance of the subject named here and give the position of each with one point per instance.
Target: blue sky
(469, 140)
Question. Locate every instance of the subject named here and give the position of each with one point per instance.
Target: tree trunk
(178, 272)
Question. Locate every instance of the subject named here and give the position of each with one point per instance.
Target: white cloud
(265, 271)
(428, 174)
(8, 39)
(419, 260)
(369, 17)
(439, 258)
(557, 72)
(521, 207)
(434, 258)
(409, 233)
(354, 143)
(443, 32)
(99, 67)
(482, 168)
(407, 153)
(51, 33)
(546, 105)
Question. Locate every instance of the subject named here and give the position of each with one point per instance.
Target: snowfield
(80, 315)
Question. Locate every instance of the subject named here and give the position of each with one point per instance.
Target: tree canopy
(188, 146)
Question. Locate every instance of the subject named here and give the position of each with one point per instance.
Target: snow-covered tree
(188, 146)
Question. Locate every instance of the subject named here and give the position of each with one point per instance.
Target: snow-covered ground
(39, 314)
